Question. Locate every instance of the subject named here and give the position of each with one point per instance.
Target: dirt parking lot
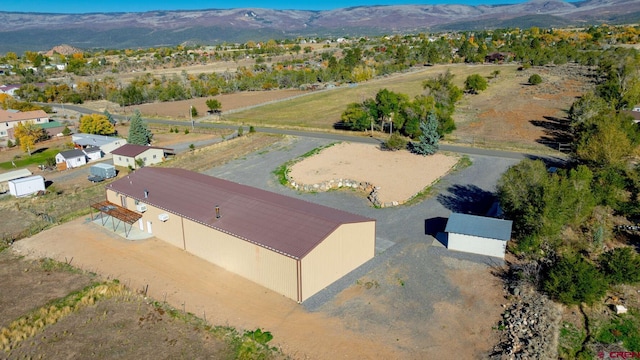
(367, 332)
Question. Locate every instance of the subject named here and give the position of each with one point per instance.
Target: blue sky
(74, 6)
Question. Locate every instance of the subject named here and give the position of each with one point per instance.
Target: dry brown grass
(221, 153)
(321, 110)
(29, 325)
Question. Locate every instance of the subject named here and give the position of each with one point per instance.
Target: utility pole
(191, 116)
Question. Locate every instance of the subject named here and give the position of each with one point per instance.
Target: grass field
(26, 160)
(321, 110)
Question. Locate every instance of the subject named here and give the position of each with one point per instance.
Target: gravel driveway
(469, 190)
(413, 287)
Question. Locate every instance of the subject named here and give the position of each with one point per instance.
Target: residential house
(634, 113)
(106, 143)
(9, 89)
(127, 155)
(70, 159)
(93, 153)
(53, 128)
(9, 119)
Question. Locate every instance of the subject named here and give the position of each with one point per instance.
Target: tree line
(354, 61)
(569, 218)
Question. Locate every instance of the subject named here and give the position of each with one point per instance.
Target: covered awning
(114, 211)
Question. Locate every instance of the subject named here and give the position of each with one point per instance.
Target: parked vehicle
(100, 172)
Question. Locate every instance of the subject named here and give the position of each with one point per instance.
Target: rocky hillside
(38, 31)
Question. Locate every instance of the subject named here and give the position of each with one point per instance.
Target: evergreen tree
(139, 133)
(110, 117)
(428, 140)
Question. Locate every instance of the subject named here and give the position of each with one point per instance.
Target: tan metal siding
(124, 161)
(112, 196)
(265, 267)
(148, 155)
(348, 247)
(169, 231)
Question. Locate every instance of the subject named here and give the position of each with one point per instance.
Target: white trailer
(26, 186)
(12, 175)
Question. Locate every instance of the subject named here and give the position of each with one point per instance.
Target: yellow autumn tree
(96, 124)
(4, 100)
(28, 134)
(362, 73)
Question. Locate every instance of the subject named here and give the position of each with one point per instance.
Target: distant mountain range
(40, 31)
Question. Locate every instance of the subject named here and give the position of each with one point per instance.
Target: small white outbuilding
(478, 234)
(26, 186)
(12, 175)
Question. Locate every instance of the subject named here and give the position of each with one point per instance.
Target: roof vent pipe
(146, 193)
(217, 212)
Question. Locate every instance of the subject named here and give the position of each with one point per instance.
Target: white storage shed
(478, 234)
(12, 175)
(26, 186)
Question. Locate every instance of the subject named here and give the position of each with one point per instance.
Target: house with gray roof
(70, 159)
(478, 234)
(93, 153)
(293, 247)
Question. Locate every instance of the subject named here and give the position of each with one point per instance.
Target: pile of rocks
(529, 326)
(368, 188)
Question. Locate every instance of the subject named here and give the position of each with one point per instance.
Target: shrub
(621, 266)
(10, 144)
(572, 280)
(395, 142)
(186, 131)
(535, 79)
(240, 131)
(622, 329)
(475, 83)
(252, 129)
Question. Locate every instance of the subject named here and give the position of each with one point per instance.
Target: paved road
(343, 137)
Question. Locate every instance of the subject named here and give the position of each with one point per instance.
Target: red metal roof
(133, 150)
(283, 224)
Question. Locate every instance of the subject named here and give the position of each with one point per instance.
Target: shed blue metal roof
(480, 226)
